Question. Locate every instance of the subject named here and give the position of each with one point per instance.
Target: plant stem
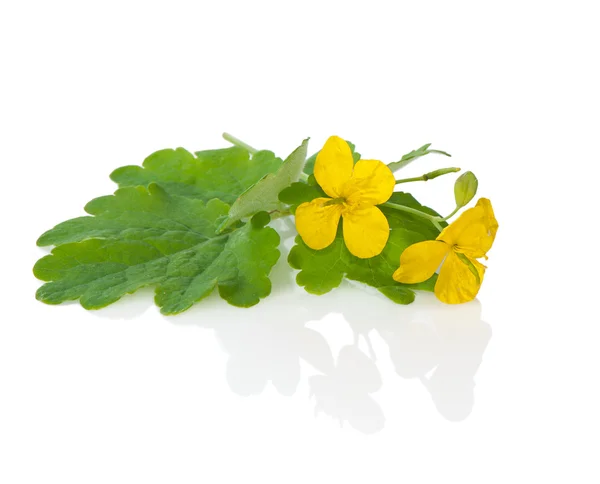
(414, 211)
(408, 180)
(451, 215)
(275, 214)
(237, 142)
(429, 176)
(437, 224)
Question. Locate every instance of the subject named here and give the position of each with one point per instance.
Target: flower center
(335, 201)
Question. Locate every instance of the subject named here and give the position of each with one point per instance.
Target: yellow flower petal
(419, 261)
(317, 223)
(366, 231)
(333, 166)
(372, 183)
(456, 283)
(474, 231)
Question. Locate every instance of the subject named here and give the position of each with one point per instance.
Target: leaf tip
(42, 240)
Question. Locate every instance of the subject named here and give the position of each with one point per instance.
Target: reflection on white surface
(439, 345)
(269, 350)
(344, 393)
(443, 347)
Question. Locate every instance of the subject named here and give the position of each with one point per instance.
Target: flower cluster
(355, 192)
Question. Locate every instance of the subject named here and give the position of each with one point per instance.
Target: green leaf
(398, 219)
(398, 294)
(299, 193)
(223, 173)
(323, 270)
(264, 195)
(309, 167)
(465, 188)
(260, 220)
(146, 237)
(413, 155)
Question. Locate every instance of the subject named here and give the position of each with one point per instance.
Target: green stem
(437, 224)
(408, 180)
(275, 214)
(414, 211)
(429, 176)
(237, 142)
(451, 215)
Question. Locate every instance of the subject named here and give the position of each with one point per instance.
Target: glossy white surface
(346, 387)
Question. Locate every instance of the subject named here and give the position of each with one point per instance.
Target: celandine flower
(457, 248)
(354, 191)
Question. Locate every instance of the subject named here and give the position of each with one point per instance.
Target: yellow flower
(457, 248)
(354, 191)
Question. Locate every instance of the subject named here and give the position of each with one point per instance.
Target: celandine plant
(189, 223)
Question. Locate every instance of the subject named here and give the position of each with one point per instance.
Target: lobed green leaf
(147, 237)
(224, 173)
(323, 270)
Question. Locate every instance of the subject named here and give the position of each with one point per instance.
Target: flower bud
(465, 188)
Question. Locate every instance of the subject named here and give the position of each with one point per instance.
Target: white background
(222, 394)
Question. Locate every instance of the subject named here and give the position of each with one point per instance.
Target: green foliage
(187, 224)
(398, 219)
(299, 193)
(224, 174)
(264, 195)
(260, 220)
(398, 294)
(146, 237)
(413, 155)
(323, 270)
